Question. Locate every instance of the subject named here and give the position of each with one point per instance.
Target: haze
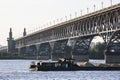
(36, 14)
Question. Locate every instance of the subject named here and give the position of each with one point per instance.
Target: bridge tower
(11, 42)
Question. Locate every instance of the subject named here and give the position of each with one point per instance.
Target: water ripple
(18, 70)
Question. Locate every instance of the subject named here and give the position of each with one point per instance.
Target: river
(19, 70)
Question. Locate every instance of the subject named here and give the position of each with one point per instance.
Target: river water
(19, 70)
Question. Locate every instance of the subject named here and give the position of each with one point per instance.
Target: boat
(60, 65)
(33, 66)
(65, 65)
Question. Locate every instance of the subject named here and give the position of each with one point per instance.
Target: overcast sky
(34, 14)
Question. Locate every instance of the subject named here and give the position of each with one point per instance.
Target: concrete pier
(81, 58)
(112, 58)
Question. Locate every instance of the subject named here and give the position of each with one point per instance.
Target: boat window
(63, 65)
(48, 64)
(66, 65)
(57, 64)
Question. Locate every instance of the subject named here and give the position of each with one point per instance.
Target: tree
(97, 52)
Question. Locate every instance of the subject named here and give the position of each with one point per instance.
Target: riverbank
(100, 66)
(16, 56)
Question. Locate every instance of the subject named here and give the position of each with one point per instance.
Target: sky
(38, 14)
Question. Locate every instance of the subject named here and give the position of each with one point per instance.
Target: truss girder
(100, 23)
(82, 45)
(23, 50)
(59, 46)
(44, 49)
(113, 45)
(32, 50)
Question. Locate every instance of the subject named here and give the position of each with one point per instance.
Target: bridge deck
(76, 19)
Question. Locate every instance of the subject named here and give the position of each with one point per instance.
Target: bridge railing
(100, 22)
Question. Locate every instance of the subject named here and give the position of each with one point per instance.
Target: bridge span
(73, 37)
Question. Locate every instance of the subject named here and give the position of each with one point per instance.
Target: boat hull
(70, 65)
(80, 68)
(35, 68)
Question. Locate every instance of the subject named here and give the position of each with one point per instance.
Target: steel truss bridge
(73, 37)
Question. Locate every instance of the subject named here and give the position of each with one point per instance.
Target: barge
(66, 65)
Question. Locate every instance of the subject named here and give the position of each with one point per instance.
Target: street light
(75, 14)
(70, 16)
(102, 4)
(61, 19)
(54, 22)
(57, 20)
(87, 10)
(94, 7)
(111, 2)
(66, 18)
(50, 23)
(81, 12)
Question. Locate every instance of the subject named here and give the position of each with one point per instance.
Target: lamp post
(87, 10)
(66, 18)
(102, 4)
(70, 16)
(54, 22)
(94, 7)
(81, 12)
(61, 19)
(111, 2)
(75, 14)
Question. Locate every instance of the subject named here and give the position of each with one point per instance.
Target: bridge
(72, 38)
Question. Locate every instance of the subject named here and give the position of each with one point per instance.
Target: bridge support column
(44, 51)
(81, 47)
(71, 44)
(51, 52)
(112, 58)
(18, 50)
(112, 53)
(60, 50)
(22, 50)
(31, 52)
(37, 51)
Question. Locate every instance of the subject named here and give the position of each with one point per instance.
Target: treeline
(4, 55)
(97, 52)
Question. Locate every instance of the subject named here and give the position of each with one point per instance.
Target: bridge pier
(81, 57)
(81, 30)
(44, 51)
(32, 50)
(60, 50)
(52, 47)
(81, 47)
(23, 50)
(114, 58)
(112, 53)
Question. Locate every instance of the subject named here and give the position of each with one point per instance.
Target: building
(11, 42)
